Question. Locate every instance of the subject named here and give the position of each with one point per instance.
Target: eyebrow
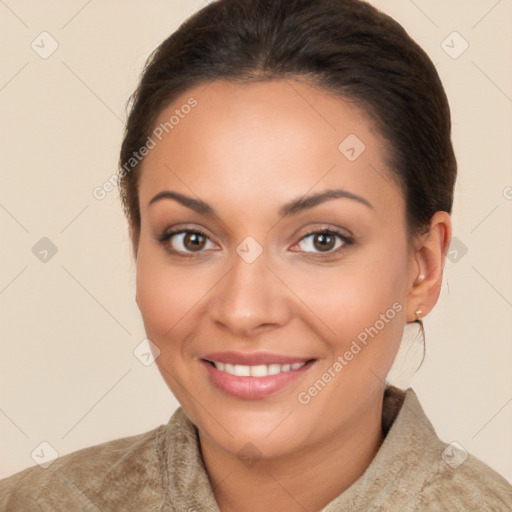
(287, 210)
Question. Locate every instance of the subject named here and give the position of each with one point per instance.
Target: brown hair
(346, 47)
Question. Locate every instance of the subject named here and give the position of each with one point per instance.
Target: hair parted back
(347, 47)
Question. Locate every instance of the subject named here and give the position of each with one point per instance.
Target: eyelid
(180, 228)
(342, 232)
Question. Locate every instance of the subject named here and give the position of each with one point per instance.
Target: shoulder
(468, 486)
(445, 476)
(90, 477)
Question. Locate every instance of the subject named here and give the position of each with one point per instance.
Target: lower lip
(253, 388)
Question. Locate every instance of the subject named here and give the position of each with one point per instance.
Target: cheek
(360, 306)
(352, 296)
(363, 306)
(154, 297)
(164, 295)
(171, 298)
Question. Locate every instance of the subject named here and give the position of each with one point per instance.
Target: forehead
(273, 140)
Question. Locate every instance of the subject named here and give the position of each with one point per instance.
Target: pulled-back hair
(347, 47)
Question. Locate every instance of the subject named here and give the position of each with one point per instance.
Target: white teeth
(260, 370)
(242, 371)
(273, 369)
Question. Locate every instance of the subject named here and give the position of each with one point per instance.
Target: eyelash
(166, 236)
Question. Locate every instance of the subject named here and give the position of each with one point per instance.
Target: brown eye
(184, 242)
(325, 241)
(194, 241)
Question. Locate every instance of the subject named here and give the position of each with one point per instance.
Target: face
(277, 309)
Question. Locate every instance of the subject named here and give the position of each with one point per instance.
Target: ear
(426, 267)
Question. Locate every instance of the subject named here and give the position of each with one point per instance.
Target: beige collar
(403, 462)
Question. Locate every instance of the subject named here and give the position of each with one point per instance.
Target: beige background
(68, 375)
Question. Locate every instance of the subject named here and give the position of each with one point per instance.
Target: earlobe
(428, 268)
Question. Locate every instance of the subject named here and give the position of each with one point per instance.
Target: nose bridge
(250, 296)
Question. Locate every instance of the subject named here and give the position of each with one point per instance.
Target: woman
(287, 174)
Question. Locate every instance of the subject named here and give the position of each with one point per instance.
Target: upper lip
(253, 359)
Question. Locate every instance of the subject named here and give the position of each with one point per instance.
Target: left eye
(323, 241)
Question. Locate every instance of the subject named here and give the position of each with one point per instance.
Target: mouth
(254, 376)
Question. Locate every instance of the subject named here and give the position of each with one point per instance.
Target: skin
(246, 150)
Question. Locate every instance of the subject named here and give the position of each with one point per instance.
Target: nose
(250, 299)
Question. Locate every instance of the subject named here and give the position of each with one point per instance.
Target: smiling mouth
(259, 370)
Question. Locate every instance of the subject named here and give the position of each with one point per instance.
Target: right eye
(184, 242)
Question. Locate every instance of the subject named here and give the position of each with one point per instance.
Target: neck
(304, 480)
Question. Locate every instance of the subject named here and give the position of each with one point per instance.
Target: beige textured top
(162, 470)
